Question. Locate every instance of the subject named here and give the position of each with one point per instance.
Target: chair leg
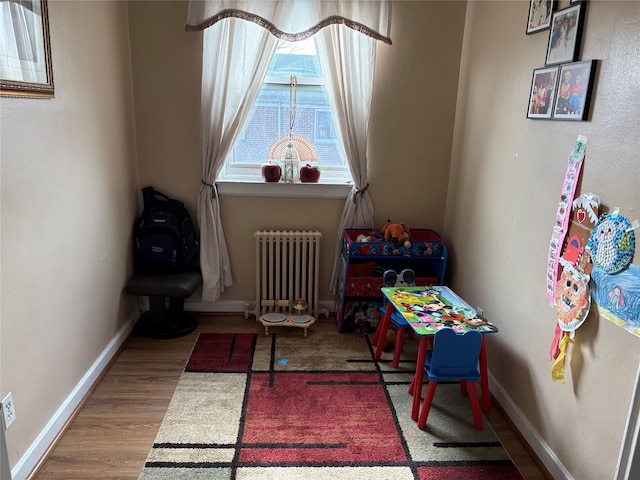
(463, 388)
(398, 349)
(383, 326)
(426, 404)
(377, 334)
(475, 406)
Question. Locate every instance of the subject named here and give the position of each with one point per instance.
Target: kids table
(428, 309)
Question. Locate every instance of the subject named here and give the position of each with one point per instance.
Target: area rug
(286, 407)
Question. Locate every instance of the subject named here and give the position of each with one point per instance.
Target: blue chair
(453, 357)
(390, 279)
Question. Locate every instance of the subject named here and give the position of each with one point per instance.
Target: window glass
(270, 117)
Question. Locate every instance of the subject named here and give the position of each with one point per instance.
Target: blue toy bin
(425, 243)
(361, 249)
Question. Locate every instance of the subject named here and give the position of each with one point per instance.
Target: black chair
(160, 321)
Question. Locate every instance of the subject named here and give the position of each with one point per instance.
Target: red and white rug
(285, 407)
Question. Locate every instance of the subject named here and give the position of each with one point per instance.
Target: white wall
(70, 185)
(68, 201)
(506, 176)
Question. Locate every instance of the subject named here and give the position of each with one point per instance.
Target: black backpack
(165, 239)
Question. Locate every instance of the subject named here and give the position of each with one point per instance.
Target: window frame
(250, 173)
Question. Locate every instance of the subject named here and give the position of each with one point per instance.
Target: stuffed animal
(397, 233)
(390, 339)
(364, 238)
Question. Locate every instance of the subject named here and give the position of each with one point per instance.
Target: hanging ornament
(289, 150)
(571, 180)
(290, 156)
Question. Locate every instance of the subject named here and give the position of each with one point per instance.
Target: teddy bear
(397, 233)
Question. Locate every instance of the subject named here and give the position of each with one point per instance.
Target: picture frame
(25, 66)
(565, 34)
(540, 13)
(543, 92)
(575, 86)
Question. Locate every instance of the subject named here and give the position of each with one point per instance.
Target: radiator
(287, 268)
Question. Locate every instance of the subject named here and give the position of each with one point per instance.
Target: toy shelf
(359, 297)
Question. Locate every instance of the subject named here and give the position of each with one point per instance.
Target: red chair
(453, 357)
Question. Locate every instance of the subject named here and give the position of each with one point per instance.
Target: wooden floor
(112, 433)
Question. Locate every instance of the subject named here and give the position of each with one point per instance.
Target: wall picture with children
(574, 90)
(543, 91)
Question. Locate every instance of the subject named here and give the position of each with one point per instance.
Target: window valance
(295, 20)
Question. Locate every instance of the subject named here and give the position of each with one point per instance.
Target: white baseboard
(539, 446)
(47, 436)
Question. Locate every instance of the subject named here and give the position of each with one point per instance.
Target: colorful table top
(428, 309)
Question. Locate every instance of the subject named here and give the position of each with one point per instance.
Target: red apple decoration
(309, 174)
(271, 172)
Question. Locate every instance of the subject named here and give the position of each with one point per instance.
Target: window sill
(300, 190)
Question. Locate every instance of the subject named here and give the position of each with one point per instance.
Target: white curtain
(348, 61)
(236, 57)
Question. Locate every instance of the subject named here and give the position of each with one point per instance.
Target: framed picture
(574, 90)
(540, 12)
(543, 92)
(565, 34)
(25, 59)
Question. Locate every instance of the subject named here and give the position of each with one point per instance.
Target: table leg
(384, 325)
(419, 376)
(484, 379)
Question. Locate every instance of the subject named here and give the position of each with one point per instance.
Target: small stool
(160, 321)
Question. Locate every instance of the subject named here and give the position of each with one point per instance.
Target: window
(270, 117)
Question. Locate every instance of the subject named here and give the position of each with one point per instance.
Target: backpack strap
(150, 197)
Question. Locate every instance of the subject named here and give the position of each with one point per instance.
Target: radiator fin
(287, 268)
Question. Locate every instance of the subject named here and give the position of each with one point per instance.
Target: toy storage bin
(370, 286)
(425, 243)
(363, 286)
(360, 279)
(390, 248)
(361, 315)
(361, 249)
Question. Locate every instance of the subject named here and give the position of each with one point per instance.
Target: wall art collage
(561, 90)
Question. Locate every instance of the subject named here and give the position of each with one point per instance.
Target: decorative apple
(309, 174)
(271, 172)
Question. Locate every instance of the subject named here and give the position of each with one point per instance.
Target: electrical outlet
(8, 410)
